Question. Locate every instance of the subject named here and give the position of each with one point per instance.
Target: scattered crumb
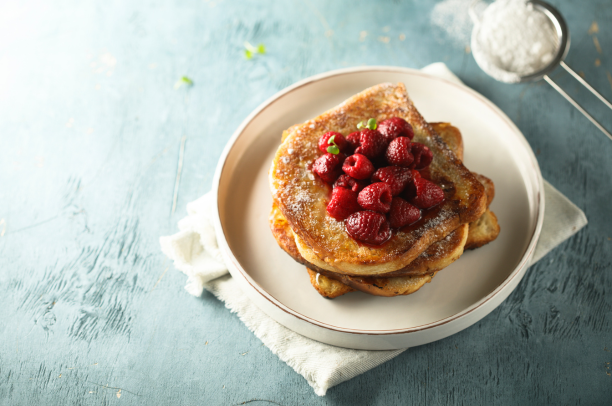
(468, 49)
(206, 343)
(119, 393)
(223, 386)
(244, 353)
(597, 46)
(597, 62)
(384, 39)
(60, 375)
(106, 63)
(594, 29)
(363, 35)
(581, 73)
(402, 37)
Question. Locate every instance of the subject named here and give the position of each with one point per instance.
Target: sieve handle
(585, 84)
(575, 103)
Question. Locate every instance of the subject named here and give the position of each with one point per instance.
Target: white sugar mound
(514, 39)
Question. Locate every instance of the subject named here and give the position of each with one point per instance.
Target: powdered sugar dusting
(452, 16)
(298, 201)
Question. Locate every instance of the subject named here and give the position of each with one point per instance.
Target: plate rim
(518, 270)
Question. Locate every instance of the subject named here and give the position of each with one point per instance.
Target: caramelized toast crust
(302, 197)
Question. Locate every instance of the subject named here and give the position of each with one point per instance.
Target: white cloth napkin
(195, 252)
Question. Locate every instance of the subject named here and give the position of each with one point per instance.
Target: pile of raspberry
(379, 178)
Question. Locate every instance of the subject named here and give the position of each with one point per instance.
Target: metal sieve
(563, 44)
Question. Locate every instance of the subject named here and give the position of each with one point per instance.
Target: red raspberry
(353, 139)
(358, 166)
(410, 190)
(422, 156)
(394, 127)
(425, 173)
(343, 203)
(347, 182)
(394, 176)
(369, 227)
(428, 194)
(328, 166)
(371, 143)
(339, 139)
(376, 197)
(402, 213)
(398, 152)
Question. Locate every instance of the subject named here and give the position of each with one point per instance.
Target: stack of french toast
(413, 254)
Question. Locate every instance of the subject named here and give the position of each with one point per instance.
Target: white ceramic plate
(458, 296)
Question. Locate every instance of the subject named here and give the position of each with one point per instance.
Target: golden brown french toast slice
(302, 197)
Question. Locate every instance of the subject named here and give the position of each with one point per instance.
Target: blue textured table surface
(90, 132)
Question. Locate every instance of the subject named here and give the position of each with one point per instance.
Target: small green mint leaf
(360, 125)
(331, 140)
(332, 149)
(372, 124)
(248, 54)
(261, 49)
(184, 80)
